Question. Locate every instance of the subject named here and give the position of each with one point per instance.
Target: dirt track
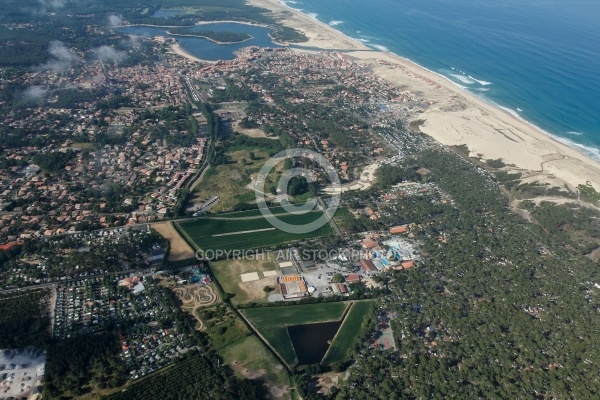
(193, 297)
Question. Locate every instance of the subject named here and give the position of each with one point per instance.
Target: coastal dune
(319, 34)
(455, 116)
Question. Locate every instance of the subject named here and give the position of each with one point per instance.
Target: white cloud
(131, 42)
(114, 21)
(108, 53)
(34, 93)
(62, 57)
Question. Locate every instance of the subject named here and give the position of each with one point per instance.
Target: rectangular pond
(311, 341)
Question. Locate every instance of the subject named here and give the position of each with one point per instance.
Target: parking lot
(320, 277)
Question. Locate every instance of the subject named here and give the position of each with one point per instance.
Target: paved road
(332, 222)
(56, 283)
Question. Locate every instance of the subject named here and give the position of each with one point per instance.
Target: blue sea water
(539, 59)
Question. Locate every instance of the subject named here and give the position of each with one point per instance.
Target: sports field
(272, 323)
(351, 327)
(246, 230)
(229, 274)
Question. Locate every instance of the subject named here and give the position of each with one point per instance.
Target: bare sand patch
(177, 49)
(250, 374)
(249, 277)
(179, 248)
(252, 132)
(277, 391)
(456, 117)
(255, 290)
(229, 274)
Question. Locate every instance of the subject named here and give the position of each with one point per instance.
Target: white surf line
(243, 232)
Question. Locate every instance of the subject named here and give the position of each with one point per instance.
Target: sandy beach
(456, 116)
(319, 35)
(177, 49)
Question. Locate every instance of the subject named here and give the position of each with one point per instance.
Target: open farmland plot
(179, 248)
(248, 231)
(272, 323)
(351, 327)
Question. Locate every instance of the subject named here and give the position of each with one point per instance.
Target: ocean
(538, 59)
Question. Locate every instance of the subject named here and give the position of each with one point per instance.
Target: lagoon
(204, 48)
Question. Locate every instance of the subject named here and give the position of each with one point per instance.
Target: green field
(272, 323)
(250, 213)
(205, 233)
(351, 327)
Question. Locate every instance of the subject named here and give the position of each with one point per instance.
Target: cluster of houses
(147, 352)
(37, 268)
(56, 206)
(390, 252)
(87, 306)
(326, 78)
(56, 203)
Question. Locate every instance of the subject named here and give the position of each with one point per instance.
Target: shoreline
(323, 38)
(209, 39)
(457, 116)
(232, 22)
(489, 102)
(177, 49)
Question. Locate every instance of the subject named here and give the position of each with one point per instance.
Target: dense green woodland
(577, 226)
(220, 36)
(193, 378)
(486, 315)
(24, 319)
(388, 175)
(75, 365)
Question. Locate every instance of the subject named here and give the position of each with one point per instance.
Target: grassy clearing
(204, 233)
(272, 323)
(351, 327)
(222, 326)
(250, 359)
(343, 219)
(229, 181)
(228, 272)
